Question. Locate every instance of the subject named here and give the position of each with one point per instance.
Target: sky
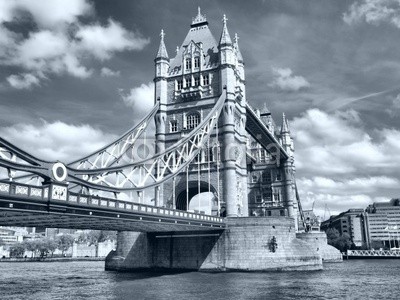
(76, 74)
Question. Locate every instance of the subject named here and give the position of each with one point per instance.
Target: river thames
(353, 279)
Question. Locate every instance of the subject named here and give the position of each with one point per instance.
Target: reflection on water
(357, 279)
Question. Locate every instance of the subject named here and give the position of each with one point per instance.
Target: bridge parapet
(24, 190)
(23, 197)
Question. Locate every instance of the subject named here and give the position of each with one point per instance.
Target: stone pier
(319, 242)
(248, 244)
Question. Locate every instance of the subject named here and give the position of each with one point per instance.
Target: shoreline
(51, 259)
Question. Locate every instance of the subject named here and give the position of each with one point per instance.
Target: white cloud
(339, 164)
(61, 42)
(394, 110)
(40, 47)
(326, 205)
(103, 41)
(47, 13)
(286, 81)
(56, 141)
(337, 144)
(349, 186)
(106, 72)
(23, 81)
(140, 98)
(73, 66)
(374, 12)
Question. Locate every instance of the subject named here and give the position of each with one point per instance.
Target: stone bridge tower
(244, 179)
(187, 87)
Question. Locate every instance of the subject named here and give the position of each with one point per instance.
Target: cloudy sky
(75, 74)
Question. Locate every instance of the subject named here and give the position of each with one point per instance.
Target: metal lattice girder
(155, 170)
(112, 153)
(15, 159)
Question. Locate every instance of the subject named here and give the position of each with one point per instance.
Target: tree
(377, 245)
(64, 242)
(42, 246)
(31, 245)
(342, 242)
(332, 234)
(46, 245)
(17, 250)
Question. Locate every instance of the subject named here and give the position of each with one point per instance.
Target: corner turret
(239, 57)
(287, 141)
(225, 46)
(162, 59)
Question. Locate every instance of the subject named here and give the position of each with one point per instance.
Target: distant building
(378, 226)
(350, 222)
(52, 233)
(10, 236)
(382, 224)
(311, 220)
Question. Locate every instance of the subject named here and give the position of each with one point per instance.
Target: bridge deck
(33, 206)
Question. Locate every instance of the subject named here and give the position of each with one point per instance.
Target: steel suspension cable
(198, 178)
(218, 160)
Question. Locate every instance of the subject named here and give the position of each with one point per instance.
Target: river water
(353, 279)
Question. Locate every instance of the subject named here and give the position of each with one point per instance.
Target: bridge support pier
(132, 249)
(248, 244)
(318, 240)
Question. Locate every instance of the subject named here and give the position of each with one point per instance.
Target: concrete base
(319, 242)
(248, 244)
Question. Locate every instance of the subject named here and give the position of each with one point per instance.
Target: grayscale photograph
(199, 149)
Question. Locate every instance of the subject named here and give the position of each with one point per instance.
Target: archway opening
(204, 202)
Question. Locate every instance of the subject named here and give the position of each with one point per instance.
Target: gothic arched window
(206, 79)
(193, 120)
(197, 62)
(188, 63)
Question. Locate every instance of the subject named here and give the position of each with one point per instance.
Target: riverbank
(51, 259)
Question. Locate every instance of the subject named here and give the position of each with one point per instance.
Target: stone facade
(249, 244)
(187, 87)
(244, 178)
(319, 243)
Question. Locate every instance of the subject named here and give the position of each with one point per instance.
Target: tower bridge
(210, 146)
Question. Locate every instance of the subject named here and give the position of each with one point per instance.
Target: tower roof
(285, 125)
(225, 37)
(162, 51)
(199, 32)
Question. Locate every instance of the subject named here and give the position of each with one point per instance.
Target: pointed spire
(225, 37)
(265, 111)
(199, 20)
(162, 51)
(236, 44)
(285, 125)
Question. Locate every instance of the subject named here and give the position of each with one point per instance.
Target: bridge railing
(57, 193)
(394, 253)
(24, 190)
(137, 207)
